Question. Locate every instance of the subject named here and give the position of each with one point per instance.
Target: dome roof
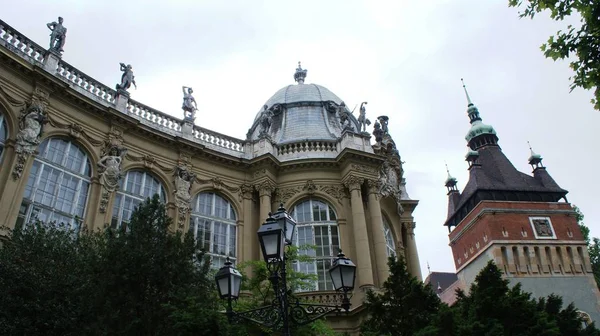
(300, 93)
(478, 128)
(302, 112)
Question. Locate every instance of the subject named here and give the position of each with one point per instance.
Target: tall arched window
(3, 135)
(58, 184)
(389, 238)
(317, 226)
(213, 224)
(134, 188)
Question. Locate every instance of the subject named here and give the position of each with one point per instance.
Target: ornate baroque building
(74, 150)
(522, 222)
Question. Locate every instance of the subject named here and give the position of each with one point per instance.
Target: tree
(593, 245)
(579, 44)
(139, 279)
(404, 307)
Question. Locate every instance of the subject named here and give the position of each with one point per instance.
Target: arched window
(389, 238)
(317, 226)
(58, 184)
(213, 224)
(3, 135)
(134, 188)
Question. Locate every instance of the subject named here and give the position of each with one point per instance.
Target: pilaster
(379, 242)
(411, 250)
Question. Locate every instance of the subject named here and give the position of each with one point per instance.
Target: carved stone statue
(377, 132)
(363, 122)
(266, 118)
(189, 104)
(383, 120)
(344, 115)
(58, 35)
(127, 78)
(31, 123)
(110, 168)
(183, 185)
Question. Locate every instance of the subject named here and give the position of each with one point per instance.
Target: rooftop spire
(300, 74)
(535, 160)
(450, 181)
(466, 93)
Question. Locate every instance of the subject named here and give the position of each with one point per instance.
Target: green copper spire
(450, 181)
(535, 159)
(477, 126)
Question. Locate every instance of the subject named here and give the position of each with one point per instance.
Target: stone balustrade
(218, 139)
(154, 117)
(18, 43)
(307, 146)
(85, 83)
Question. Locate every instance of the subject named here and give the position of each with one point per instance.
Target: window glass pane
(219, 237)
(57, 149)
(75, 159)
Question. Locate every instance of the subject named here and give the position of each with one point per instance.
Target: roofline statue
(58, 35)
(127, 78)
(363, 122)
(189, 104)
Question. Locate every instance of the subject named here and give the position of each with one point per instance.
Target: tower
(522, 222)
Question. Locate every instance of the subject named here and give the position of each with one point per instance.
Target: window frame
(28, 205)
(3, 126)
(230, 222)
(122, 194)
(390, 244)
(329, 223)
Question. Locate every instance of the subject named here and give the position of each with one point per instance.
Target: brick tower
(523, 222)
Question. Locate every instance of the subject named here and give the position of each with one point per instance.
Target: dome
(478, 128)
(302, 112)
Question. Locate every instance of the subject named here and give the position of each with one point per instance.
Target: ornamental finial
(300, 74)
(466, 93)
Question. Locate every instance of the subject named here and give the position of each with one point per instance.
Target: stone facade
(180, 160)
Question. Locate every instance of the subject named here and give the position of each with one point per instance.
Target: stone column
(265, 190)
(361, 240)
(411, 250)
(247, 241)
(14, 187)
(379, 242)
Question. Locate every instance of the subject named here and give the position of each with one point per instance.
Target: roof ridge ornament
(300, 74)
(466, 93)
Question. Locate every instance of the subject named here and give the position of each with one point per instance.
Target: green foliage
(579, 44)
(405, 306)
(593, 245)
(136, 280)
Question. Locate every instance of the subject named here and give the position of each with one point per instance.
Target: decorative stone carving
(265, 188)
(377, 132)
(246, 191)
(217, 184)
(353, 182)
(374, 187)
(310, 187)
(183, 180)
(363, 122)
(259, 173)
(264, 122)
(189, 104)
(31, 124)
(364, 169)
(336, 191)
(383, 120)
(344, 115)
(109, 167)
(127, 78)
(58, 35)
(282, 195)
(390, 174)
(543, 228)
(149, 161)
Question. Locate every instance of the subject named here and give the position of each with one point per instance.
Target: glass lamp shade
(343, 273)
(271, 239)
(229, 281)
(287, 223)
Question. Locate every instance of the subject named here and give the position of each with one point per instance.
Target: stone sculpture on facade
(383, 120)
(377, 132)
(31, 125)
(390, 174)
(363, 122)
(344, 115)
(127, 78)
(58, 35)
(265, 120)
(189, 104)
(184, 179)
(109, 168)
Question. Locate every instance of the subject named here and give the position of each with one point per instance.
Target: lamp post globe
(272, 240)
(229, 281)
(343, 273)
(287, 223)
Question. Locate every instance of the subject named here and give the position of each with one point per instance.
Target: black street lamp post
(273, 236)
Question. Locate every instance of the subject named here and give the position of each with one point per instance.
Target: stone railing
(18, 43)
(321, 297)
(307, 146)
(218, 139)
(153, 117)
(85, 83)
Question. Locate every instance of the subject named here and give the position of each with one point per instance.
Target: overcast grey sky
(405, 58)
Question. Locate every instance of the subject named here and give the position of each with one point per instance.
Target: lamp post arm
(305, 313)
(268, 316)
